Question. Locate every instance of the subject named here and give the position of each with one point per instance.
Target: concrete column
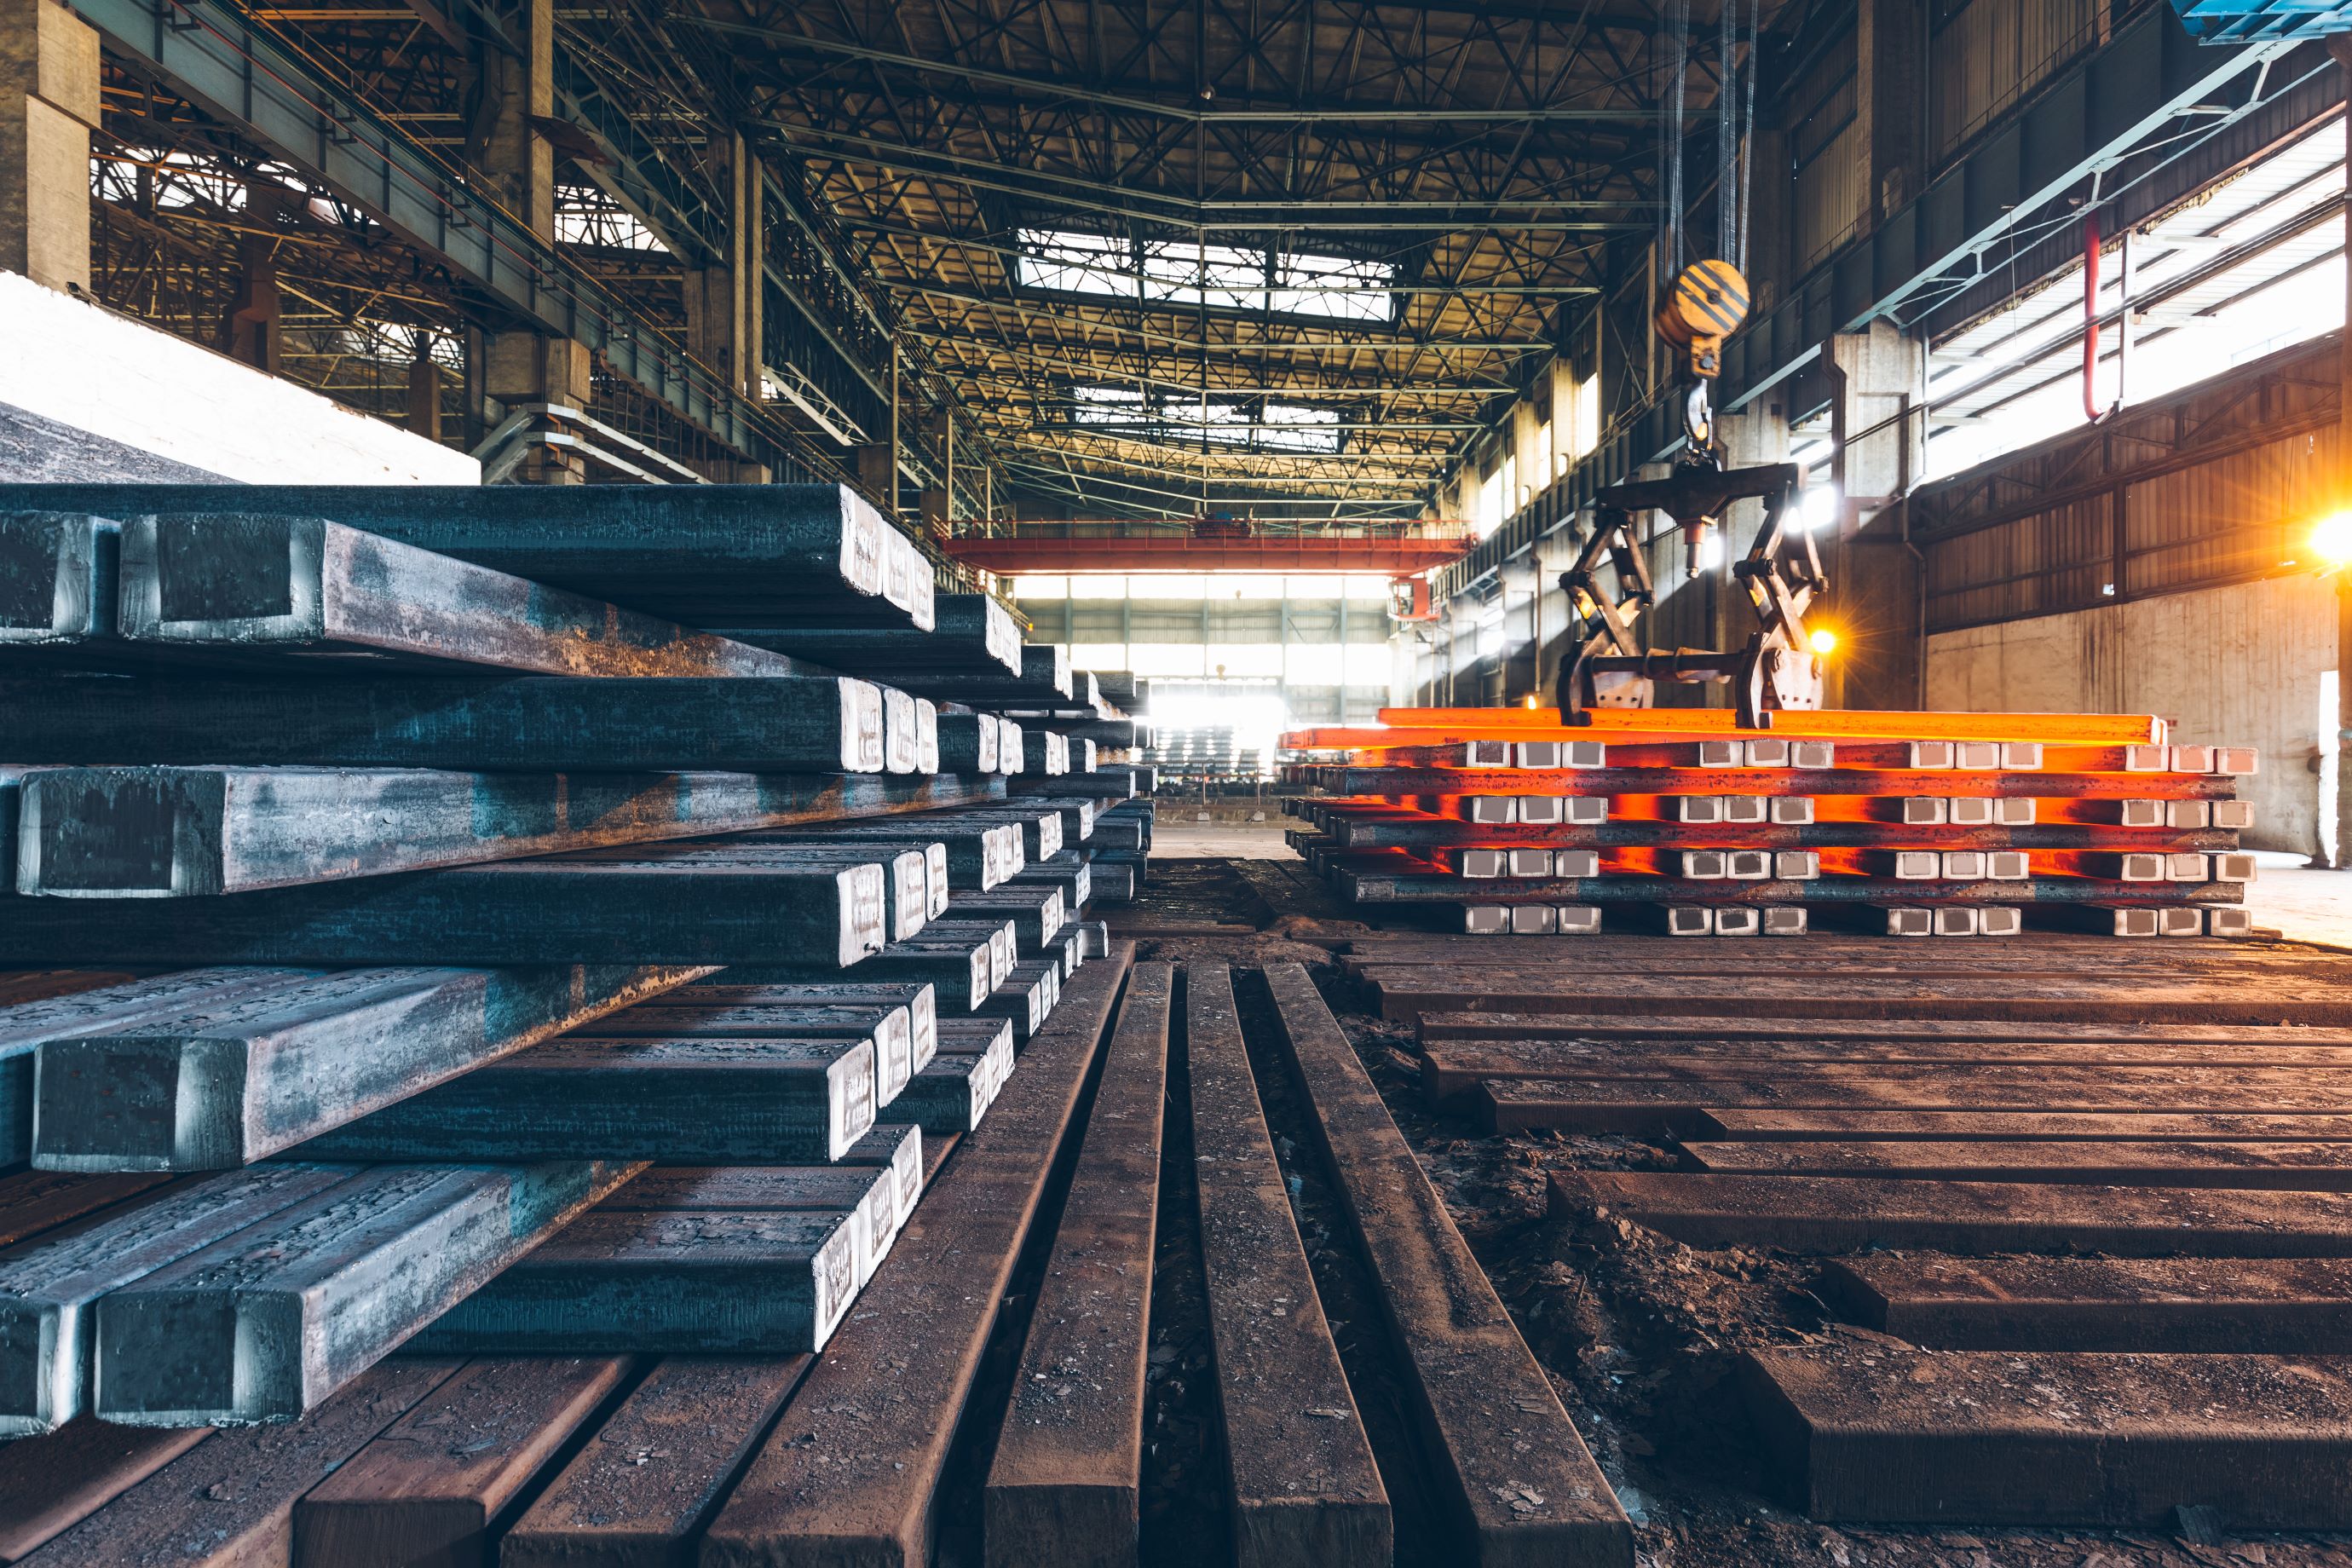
(48, 106)
(519, 98)
(251, 332)
(1520, 662)
(1891, 98)
(1526, 474)
(424, 392)
(520, 160)
(2340, 45)
(1878, 395)
(723, 301)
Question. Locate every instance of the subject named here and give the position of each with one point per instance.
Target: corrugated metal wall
(1985, 55)
(2214, 485)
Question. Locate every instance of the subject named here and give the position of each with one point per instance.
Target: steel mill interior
(1175, 783)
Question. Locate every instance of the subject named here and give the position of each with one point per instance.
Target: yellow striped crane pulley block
(1706, 305)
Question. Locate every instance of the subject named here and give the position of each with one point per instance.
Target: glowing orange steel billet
(1522, 724)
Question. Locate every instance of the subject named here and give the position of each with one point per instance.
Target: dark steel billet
(1111, 781)
(1041, 829)
(266, 1323)
(1003, 944)
(1386, 887)
(1041, 910)
(708, 554)
(700, 1282)
(1045, 679)
(889, 1025)
(991, 1041)
(1108, 734)
(533, 724)
(1077, 816)
(900, 749)
(725, 994)
(867, 1194)
(899, 1146)
(220, 1084)
(723, 1100)
(175, 832)
(226, 586)
(558, 910)
(952, 1094)
(113, 1009)
(906, 868)
(1027, 997)
(974, 854)
(1118, 833)
(1074, 876)
(968, 742)
(1112, 881)
(49, 1288)
(816, 842)
(58, 576)
(959, 969)
(970, 631)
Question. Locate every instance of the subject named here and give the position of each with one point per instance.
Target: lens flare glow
(1822, 640)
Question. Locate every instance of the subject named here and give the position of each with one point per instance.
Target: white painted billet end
(1956, 920)
(1910, 922)
(1797, 866)
(1585, 811)
(1689, 919)
(1738, 919)
(2148, 759)
(1999, 920)
(1930, 755)
(1698, 808)
(1977, 756)
(2021, 756)
(1812, 754)
(2234, 868)
(2135, 922)
(1719, 754)
(2014, 811)
(1539, 754)
(1495, 810)
(1768, 753)
(1576, 863)
(2007, 866)
(1964, 866)
(1745, 809)
(2237, 761)
(1542, 810)
(1481, 863)
(1702, 865)
(1486, 920)
(1792, 810)
(2182, 922)
(1785, 919)
(1579, 920)
(2229, 923)
(1534, 919)
(1970, 811)
(1924, 811)
(1747, 866)
(1486, 754)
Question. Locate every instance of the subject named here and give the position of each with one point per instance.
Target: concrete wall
(2240, 665)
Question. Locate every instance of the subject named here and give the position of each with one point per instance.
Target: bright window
(1180, 273)
(1097, 587)
(1183, 418)
(1316, 664)
(1367, 664)
(1098, 656)
(1236, 661)
(1161, 660)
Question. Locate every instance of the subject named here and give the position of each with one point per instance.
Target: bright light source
(2331, 540)
(1531, 700)
(1822, 640)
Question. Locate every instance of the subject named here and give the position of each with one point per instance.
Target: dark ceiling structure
(1122, 257)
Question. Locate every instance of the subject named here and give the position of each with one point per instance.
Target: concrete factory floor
(1642, 1336)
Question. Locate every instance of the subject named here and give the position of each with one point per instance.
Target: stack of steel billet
(452, 832)
(1907, 823)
